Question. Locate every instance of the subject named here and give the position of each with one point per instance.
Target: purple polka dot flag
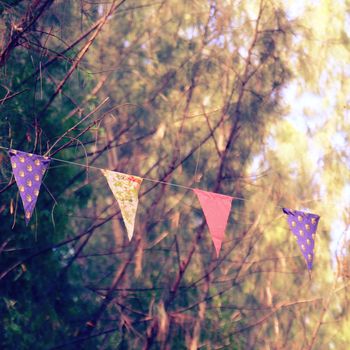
(28, 170)
(303, 226)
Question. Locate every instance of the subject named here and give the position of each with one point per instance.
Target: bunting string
(146, 178)
(29, 170)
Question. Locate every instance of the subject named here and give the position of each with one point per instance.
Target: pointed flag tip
(217, 246)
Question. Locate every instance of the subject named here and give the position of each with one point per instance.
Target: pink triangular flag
(216, 208)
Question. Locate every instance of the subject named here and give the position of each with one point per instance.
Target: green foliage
(199, 95)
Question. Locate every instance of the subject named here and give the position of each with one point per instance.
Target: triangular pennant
(303, 226)
(125, 189)
(28, 170)
(216, 208)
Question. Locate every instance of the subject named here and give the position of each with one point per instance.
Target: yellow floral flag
(125, 189)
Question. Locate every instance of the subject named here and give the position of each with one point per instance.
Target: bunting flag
(125, 189)
(216, 208)
(303, 226)
(28, 170)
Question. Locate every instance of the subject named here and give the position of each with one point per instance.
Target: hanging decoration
(125, 189)
(303, 226)
(28, 170)
(216, 208)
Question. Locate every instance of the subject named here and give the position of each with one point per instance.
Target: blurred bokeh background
(244, 98)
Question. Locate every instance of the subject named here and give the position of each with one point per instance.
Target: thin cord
(145, 178)
(97, 168)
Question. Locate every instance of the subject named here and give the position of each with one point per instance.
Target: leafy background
(244, 98)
